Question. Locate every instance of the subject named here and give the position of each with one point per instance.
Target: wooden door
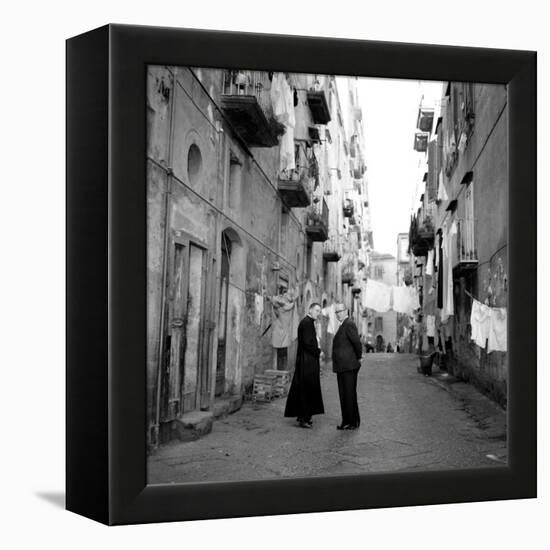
(223, 314)
(184, 338)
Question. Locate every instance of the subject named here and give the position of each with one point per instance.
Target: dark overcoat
(305, 398)
(346, 347)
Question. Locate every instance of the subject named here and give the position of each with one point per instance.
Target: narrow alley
(408, 422)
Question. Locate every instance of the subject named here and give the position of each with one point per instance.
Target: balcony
(317, 224)
(421, 141)
(318, 106)
(332, 250)
(348, 208)
(425, 119)
(295, 192)
(353, 146)
(295, 186)
(422, 237)
(314, 135)
(370, 239)
(348, 273)
(466, 259)
(359, 170)
(245, 101)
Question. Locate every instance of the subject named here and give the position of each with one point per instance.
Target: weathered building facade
(459, 235)
(249, 177)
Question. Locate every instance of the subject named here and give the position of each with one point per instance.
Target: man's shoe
(351, 427)
(343, 427)
(305, 424)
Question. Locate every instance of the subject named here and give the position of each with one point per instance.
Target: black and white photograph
(274, 275)
(327, 275)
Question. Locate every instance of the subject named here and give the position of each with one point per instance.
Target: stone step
(227, 405)
(192, 425)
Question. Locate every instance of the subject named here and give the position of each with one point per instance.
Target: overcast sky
(394, 169)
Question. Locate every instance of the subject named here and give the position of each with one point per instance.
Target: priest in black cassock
(304, 398)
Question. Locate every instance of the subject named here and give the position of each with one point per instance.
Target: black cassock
(304, 398)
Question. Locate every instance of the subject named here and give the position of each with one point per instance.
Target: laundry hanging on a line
(489, 326)
(383, 297)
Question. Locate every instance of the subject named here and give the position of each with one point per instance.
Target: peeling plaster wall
(486, 155)
(234, 190)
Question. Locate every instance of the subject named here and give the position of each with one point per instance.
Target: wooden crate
(264, 387)
(283, 376)
(280, 390)
(282, 381)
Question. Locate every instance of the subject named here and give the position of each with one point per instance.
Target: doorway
(184, 351)
(223, 313)
(379, 343)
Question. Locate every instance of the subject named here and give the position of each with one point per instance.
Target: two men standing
(304, 398)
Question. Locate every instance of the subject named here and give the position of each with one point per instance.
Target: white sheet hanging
(377, 296)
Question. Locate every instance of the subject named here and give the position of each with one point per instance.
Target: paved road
(408, 422)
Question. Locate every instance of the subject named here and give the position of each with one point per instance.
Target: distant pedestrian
(305, 398)
(346, 362)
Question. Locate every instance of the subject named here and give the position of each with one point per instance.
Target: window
(284, 227)
(467, 246)
(309, 259)
(194, 164)
(235, 176)
(378, 324)
(378, 272)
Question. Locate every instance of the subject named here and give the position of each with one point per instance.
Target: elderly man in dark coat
(346, 361)
(304, 398)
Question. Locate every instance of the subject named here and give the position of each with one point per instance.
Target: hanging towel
(401, 299)
(497, 339)
(377, 296)
(282, 101)
(284, 321)
(415, 302)
(430, 263)
(448, 301)
(480, 319)
(430, 326)
(405, 299)
(287, 161)
(259, 308)
(441, 191)
(329, 312)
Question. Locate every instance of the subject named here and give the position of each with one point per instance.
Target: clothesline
(474, 298)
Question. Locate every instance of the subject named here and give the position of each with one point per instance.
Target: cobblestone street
(408, 422)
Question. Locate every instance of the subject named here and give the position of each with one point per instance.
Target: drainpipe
(166, 240)
(215, 275)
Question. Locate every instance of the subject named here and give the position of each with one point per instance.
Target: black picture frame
(106, 274)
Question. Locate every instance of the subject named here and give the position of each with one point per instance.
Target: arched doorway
(380, 343)
(222, 312)
(229, 306)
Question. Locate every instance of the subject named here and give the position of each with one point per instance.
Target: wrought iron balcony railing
(317, 222)
(332, 249)
(295, 186)
(246, 102)
(465, 246)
